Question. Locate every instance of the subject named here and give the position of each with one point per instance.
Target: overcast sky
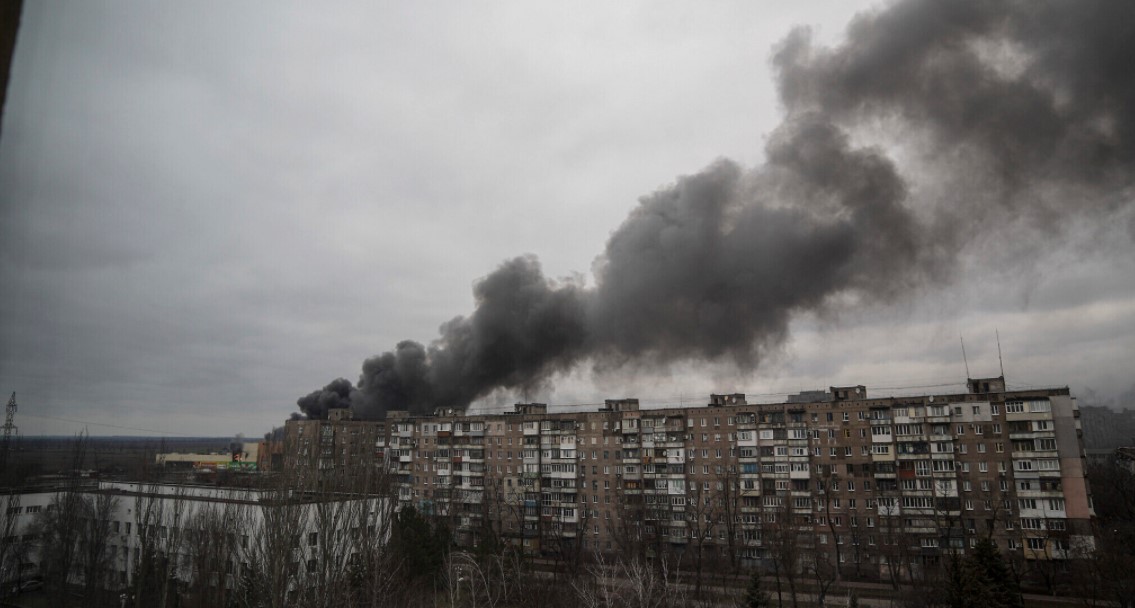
(212, 209)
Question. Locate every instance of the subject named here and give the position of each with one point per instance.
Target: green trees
(755, 595)
(980, 580)
(1108, 577)
(417, 546)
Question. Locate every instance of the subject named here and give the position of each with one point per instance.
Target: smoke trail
(1012, 114)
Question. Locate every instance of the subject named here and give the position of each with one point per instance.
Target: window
(1036, 544)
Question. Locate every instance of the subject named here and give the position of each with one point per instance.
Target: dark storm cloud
(1023, 105)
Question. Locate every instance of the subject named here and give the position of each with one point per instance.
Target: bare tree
(211, 548)
(632, 583)
(271, 555)
(782, 538)
(94, 546)
(827, 481)
(58, 528)
(729, 507)
(159, 524)
(13, 548)
(702, 511)
(484, 580)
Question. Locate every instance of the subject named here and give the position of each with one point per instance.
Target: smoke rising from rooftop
(1014, 114)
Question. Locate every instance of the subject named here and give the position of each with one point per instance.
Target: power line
(112, 426)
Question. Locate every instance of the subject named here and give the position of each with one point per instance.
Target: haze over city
(209, 211)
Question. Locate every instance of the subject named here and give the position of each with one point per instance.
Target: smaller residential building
(211, 535)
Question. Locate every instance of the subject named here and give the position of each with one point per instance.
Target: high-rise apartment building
(876, 484)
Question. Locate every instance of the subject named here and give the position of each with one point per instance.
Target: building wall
(866, 478)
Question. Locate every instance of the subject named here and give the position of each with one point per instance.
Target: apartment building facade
(881, 485)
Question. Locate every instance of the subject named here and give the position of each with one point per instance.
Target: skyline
(210, 213)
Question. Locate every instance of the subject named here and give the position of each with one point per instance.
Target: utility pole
(9, 430)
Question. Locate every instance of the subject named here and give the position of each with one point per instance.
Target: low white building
(210, 535)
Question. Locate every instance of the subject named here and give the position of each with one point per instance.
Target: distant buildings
(241, 456)
(881, 485)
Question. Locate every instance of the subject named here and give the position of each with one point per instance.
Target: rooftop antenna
(964, 359)
(999, 360)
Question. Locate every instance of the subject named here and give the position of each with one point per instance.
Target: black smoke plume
(318, 404)
(1007, 116)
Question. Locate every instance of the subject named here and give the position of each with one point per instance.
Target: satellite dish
(930, 399)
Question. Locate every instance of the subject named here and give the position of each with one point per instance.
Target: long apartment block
(877, 484)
